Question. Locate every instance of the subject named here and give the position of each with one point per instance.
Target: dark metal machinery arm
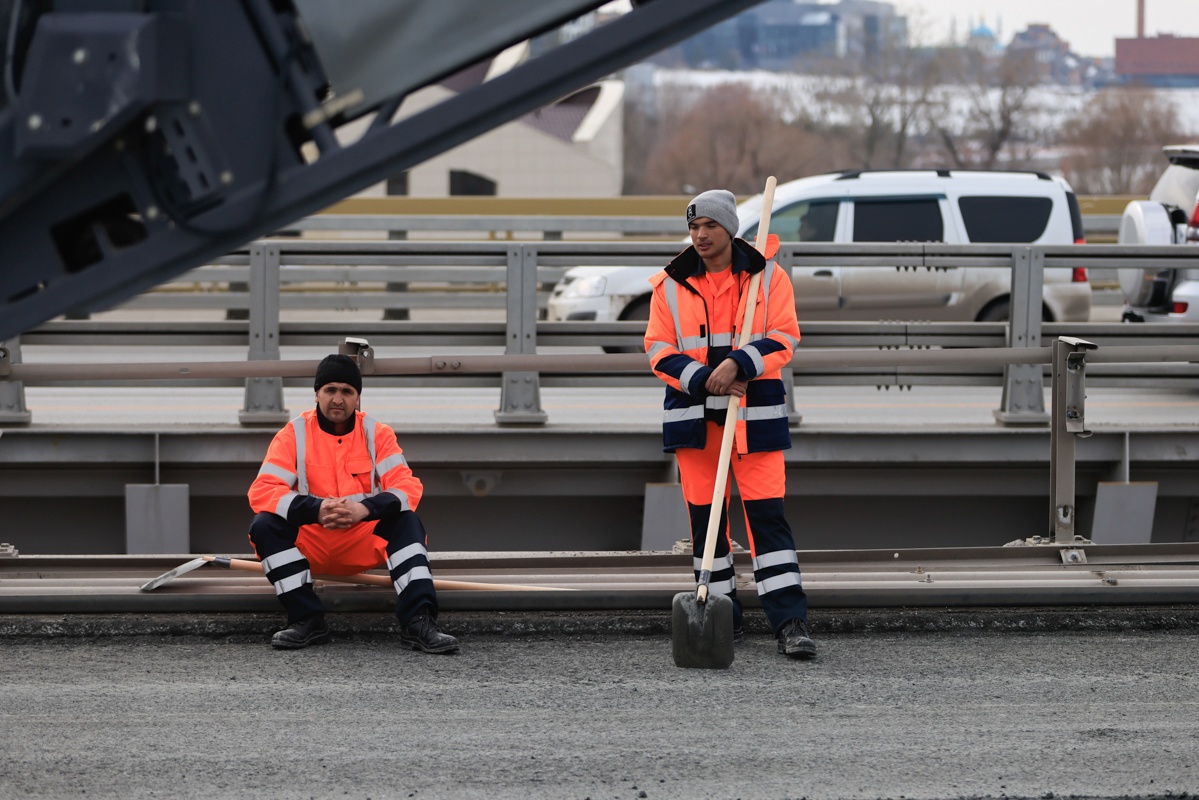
(142, 138)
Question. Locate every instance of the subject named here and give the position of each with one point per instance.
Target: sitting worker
(695, 323)
(335, 496)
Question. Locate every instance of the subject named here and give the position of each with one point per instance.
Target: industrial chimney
(1140, 19)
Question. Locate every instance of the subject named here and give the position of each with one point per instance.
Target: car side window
(807, 221)
(915, 219)
(1005, 220)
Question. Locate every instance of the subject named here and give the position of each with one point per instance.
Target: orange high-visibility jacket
(304, 465)
(683, 350)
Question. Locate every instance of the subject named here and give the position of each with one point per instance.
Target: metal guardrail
(524, 269)
(1067, 359)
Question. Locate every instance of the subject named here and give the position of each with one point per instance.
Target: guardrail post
(264, 396)
(1023, 401)
(12, 393)
(1068, 420)
(520, 392)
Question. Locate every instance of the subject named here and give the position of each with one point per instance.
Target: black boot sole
(288, 644)
(417, 644)
(802, 653)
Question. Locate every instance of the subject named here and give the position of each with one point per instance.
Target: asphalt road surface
(599, 715)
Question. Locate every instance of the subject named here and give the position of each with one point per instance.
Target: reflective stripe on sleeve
(293, 582)
(784, 581)
(756, 357)
(405, 505)
(791, 340)
(777, 558)
(284, 504)
(279, 472)
(657, 347)
(688, 374)
(391, 462)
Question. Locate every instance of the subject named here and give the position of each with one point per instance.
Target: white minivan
(953, 206)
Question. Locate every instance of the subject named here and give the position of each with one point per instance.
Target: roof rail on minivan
(942, 172)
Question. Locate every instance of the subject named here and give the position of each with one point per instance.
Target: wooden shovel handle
(730, 419)
(385, 580)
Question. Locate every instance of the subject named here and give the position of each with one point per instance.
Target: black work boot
(421, 634)
(312, 630)
(794, 640)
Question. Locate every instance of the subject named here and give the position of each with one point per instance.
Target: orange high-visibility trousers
(761, 481)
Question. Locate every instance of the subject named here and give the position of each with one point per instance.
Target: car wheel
(996, 311)
(1001, 311)
(636, 310)
(1146, 223)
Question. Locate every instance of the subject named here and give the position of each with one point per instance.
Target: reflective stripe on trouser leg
(408, 564)
(274, 540)
(776, 568)
(724, 578)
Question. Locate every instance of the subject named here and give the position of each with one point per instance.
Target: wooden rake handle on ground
(730, 419)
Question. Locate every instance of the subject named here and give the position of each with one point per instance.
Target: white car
(1169, 216)
(954, 206)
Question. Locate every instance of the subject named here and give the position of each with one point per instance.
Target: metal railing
(516, 275)
(1067, 359)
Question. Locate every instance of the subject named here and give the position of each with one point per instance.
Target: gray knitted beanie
(718, 205)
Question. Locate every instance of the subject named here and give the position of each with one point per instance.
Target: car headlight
(590, 286)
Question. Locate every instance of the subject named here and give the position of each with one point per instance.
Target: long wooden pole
(730, 419)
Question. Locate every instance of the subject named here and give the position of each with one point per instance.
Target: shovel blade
(165, 577)
(702, 632)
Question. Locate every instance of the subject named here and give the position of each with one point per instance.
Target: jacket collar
(688, 264)
(327, 426)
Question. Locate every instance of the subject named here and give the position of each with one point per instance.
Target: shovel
(702, 625)
(361, 577)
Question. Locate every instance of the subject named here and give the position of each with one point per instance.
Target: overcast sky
(1090, 26)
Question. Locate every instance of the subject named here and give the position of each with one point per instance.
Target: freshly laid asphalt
(1037, 703)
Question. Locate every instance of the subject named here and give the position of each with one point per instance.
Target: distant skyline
(1090, 27)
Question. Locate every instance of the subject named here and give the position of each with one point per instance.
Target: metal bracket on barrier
(1067, 422)
(1076, 364)
(12, 393)
(361, 351)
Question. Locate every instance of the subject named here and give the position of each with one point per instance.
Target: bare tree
(998, 110)
(731, 138)
(885, 101)
(1115, 141)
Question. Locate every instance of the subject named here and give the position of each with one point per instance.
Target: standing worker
(697, 310)
(335, 495)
